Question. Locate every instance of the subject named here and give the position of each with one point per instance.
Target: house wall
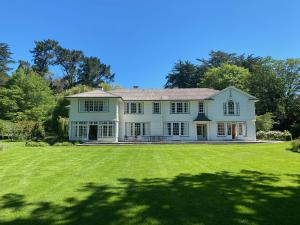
(213, 109)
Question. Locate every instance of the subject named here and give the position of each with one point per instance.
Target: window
(228, 128)
(106, 129)
(93, 105)
(134, 107)
(231, 108)
(179, 107)
(201, 107)
(137, 129)
(240, 129)
(176, 129)
(156, 108)
(221, 129)
(79, 129)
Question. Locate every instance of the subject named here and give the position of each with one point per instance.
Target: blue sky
(142, 40)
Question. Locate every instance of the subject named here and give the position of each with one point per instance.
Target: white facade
(226, 115)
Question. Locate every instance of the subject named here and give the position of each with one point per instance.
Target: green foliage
(26, 96)
(63, 127)
(184, 75)
(224, 76)
(274, 135)
(69, 60)
(5, 59)
(265, 122)
(93, 72)
(60, 109)
(65, 143)
(44, 54)
(36, 144)
(296, 145)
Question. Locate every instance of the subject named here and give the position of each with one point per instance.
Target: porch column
(116, 131)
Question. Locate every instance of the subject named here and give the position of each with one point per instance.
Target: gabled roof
(251, 97)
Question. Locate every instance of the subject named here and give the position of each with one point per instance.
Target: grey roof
(201, 117)
(137, 94)
(164, 94)
(93, 94)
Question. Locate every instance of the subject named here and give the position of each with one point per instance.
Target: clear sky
(142, 40)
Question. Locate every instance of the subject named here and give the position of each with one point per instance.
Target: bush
(274, 135)
(296, 145)
(264, 122)
(36, 144)
(65, 143)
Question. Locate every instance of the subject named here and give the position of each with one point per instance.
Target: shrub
(36, 144)
(274, 135)
(65, 143)
(296, 145)
(264, 122)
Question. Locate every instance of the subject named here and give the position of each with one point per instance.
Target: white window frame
(219, 129)
(235, 111)
(93, 105)
(181, 107)
(134, 107)
(134, 129)
(181, 130)
(201, 108)
(155, 106)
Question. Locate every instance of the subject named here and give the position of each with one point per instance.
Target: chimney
(135, 87)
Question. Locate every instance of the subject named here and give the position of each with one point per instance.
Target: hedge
(274, 135)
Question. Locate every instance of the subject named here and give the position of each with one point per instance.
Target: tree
(92, 72)
(183, 75)
(5, 60)
(224, 76)
(26, 96)
(266, 86)
(265, 122)
(70, 61)
(44, 54)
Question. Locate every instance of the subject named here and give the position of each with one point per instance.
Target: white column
(117, 122)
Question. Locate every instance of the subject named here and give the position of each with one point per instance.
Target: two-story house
(187, 114)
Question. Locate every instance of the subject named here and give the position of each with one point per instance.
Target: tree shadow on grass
(248, 197)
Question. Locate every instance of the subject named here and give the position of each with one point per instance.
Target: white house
(187, 114)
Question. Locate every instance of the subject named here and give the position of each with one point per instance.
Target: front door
(201, 132)
(233, 131)
(93, 132)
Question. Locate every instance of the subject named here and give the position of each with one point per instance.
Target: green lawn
(150, 184)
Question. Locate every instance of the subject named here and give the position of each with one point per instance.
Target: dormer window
(231, 108)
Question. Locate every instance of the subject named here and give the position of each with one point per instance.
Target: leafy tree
(183, 75)
(266, 86)
(70, 61)
(5, 60)
(93, 72)
(265, 122)
(224, 76)
(44, 54)
(60, 109)
(26, 96)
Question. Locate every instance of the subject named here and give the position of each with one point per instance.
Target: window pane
(221, 129)
(186, 107)
(228, 128)
(133, 107)
(156, 107)
(201, 107)
(179, 107)
(231, 108)
(175, 128)
(240, 129)
(173, 107)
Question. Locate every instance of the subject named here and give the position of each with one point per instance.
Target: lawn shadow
(247, 197)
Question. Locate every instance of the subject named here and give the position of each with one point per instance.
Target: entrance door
(201, 132)
(93, 132)
(233, 131)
